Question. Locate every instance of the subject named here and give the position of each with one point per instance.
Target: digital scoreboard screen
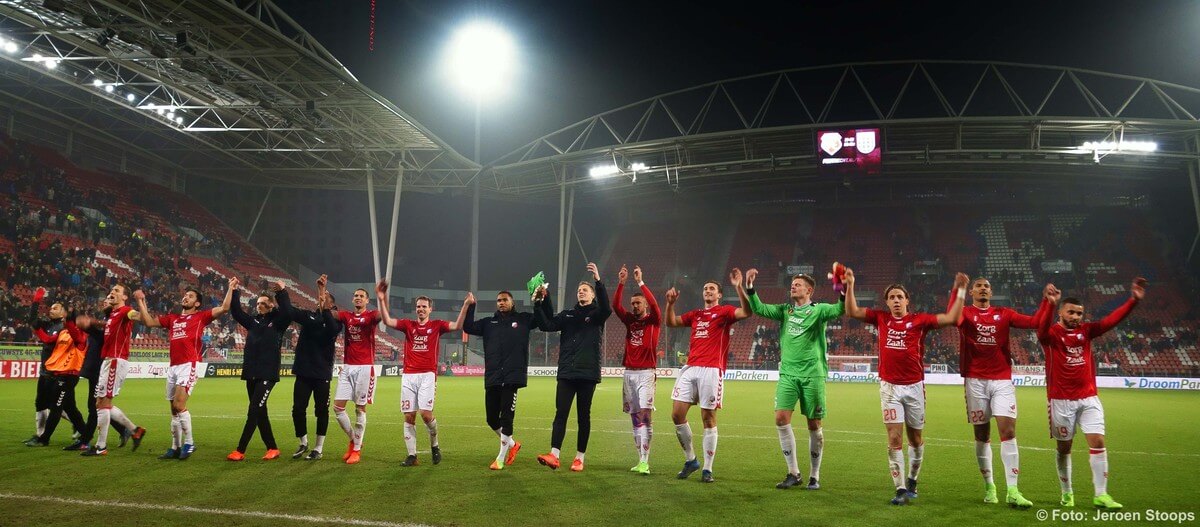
(847, 152)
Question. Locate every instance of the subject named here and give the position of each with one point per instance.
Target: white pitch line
(325, 520)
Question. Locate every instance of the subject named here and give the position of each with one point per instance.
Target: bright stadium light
(637, 167)
(1119, 146)
(160, 111)
(97, 82)
(170, 116)
(178, 119)
(603, 171)
(10, 46)
(109, 88)
(482, 59)
(129, 97)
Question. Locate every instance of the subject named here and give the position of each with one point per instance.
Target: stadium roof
(255, 99)
(939, 120)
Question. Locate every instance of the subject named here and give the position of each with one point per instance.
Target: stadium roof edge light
(760, 127)
(272, 86)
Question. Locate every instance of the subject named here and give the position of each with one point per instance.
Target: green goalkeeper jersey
(802, 343)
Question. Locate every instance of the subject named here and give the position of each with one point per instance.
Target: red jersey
(359, 336)
(118, 332)
(983, 351)
(901, 344)
(1070, 367)
(186, 333)
(641, 334)
(421, 344)
(710, 335)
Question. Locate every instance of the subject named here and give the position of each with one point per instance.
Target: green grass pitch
(1152, 438)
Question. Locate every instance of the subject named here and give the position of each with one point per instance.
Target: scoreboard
(850, 152)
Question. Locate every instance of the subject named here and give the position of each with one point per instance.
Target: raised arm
(462, 312)
(603, 307)
(470, 325)
(672, 320)
(950, 317)
(284, 301)
(1137, 291)
(852, 308)
(1050, 298)
(149, 321)
(543, 313)
(771, 311)
(743, 312)
(651, 303)
(224, 307)
(239, 315)
(381, 298)
(617, 301)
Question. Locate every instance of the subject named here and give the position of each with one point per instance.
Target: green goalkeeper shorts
(808, 391)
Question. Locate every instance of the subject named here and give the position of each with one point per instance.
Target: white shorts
(417, 391)
(703, 385)
(356, 383)
(112, 376)
(903, 403)
(637, 390)
(1065, 414)
(989, 397)
(181, 375)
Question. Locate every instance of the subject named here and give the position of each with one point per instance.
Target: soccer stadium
(234, 229)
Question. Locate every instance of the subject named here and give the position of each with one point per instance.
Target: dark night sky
(581, 58)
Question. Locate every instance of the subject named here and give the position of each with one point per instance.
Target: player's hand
(1052, 293)
(139, 295)
(470, 300)
(279, 286)
(322, 281)
(381, 288)
(1138, 288)
(622, 275)
(751, 274)
(637, 274)
(961, 280)
(541, 292)
(234, 283)
(591, 267)
(848, 277)
(735, 277)
(672, 295)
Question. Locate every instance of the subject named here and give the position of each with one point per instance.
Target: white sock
(1064, 471)
(915, 454)
(304, 440)
(176, 432)
(1012, 463)
(344, 421)
(39, 421)
(410, 438)
(556, 452)
(120, 418)
(432, 426)
(684, 433)
(320, 443)
(896, 464)
(360, 429)
(505, 443)
(983, 454)
(642, 440)
(816, 446)
(787, 443)
(579, 456)
(103, 418)
(185, 426)
(1099, 461)
(710, 447)
(637, 440)
(647, 435)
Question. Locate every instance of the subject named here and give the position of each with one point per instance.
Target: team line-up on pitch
(95, 345)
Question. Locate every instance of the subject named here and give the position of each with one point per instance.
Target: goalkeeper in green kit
(802, 369)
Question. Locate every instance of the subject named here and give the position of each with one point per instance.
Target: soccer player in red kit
(642, 325)
(418, 385)
(114, 366)
(1071, 386)
(902, 374)
(702, 380)
(186, 331)
(985, 364)
(357, 380)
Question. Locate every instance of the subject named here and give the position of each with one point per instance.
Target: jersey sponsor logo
(896, 338)
(636, 336)
(985, 334)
